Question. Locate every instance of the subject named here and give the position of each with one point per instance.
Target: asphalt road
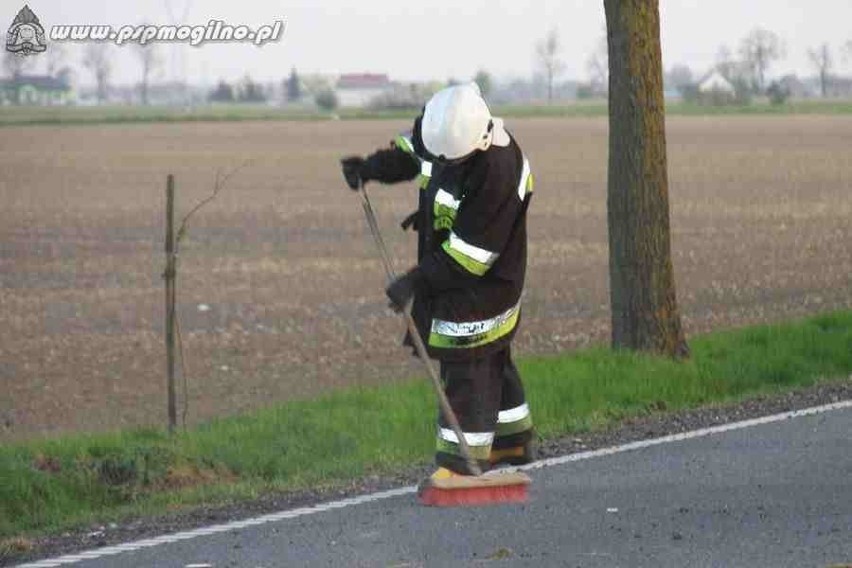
(777, 494)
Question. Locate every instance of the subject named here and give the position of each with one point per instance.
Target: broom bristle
(473, 496)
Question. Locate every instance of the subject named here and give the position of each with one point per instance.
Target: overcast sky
(440, 39)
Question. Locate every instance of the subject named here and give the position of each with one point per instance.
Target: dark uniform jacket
(472, 242)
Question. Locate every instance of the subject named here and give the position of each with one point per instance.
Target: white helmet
(456, 122)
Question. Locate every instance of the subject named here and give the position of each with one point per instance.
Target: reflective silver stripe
(446, 198)
(513, 414)
(426, 168)
(465, 329)
(525, 176)
(472, 438)
(478, 254)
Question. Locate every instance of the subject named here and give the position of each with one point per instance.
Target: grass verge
(52, 484)
(19, 116)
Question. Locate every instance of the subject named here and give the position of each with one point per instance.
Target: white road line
(685, 436)
(373, 497)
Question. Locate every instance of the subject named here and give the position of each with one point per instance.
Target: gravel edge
(630, 430)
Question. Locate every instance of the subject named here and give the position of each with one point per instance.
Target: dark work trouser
(488, 398)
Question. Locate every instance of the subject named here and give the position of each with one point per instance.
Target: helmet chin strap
(489, 134)
(499, 137)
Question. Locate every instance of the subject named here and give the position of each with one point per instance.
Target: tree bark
(642, 290)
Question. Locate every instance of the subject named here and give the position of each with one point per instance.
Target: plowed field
(280, 289)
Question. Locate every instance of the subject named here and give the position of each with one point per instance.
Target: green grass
(47, 485)
(12, 116)
(830, 107)
(599, 108)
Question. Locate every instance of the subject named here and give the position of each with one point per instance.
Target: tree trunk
(642, 290)
(101, 87)
(549, 86)
(144, 89)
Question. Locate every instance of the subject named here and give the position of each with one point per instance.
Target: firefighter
(475, 187)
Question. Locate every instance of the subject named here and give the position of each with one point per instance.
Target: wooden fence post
(170, 276)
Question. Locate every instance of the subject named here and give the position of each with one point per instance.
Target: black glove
(353, 171)
(404, 288)
(411, 222)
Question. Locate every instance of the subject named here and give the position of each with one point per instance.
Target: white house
(716, 83)
(358, 89)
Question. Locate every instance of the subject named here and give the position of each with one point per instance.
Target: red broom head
(473, 496)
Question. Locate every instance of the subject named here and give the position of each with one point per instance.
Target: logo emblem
(26, 36)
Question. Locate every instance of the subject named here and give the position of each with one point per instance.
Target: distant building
(840, 87)
(359, 89)
(716, 83)
(173, 93)
(712, 89)
(797, 88)
(38, 90)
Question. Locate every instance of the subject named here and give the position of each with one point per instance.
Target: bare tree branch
(97, 60)
(598, 65)
(548, 51)
(846, 52)
(218, 186)
(150, 60)
(15, 64)
(56, 57)
(183, 372)
(759, 49)
(821, 59)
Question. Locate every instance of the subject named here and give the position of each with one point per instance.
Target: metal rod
(444, 404)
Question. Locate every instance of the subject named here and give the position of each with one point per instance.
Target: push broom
(476, 489)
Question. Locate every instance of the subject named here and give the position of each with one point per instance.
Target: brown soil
(761, 210)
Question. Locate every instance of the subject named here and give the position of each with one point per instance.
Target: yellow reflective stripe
(404, 144)
(471, 328)
(476, 452)
(456, 335)
(469, 264)
(514, 420)
(425, 174)
(444, 210)
(472, 438)
(509, 428)
(446, 199)
(513, 414)
(474, 259)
